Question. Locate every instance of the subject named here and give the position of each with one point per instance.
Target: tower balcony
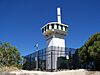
(54, 28)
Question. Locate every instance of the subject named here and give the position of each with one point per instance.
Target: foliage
(89, 53)
(75, 60)
(9, 55)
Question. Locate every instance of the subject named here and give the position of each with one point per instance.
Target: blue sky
(21, 20)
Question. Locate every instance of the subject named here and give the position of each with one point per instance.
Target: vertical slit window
(48, 26)
(42, 30)
(57, 26)
(52, 26)
(65, 28)
(45, 28)
(61, 27)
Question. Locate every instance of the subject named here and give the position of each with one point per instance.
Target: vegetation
(9, 55)
(86, 57)
(89, 53)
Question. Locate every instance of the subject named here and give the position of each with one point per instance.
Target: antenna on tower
(59, 15)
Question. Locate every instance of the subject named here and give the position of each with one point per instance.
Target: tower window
(61, 27)
(52, 26)
(57, 26)
(45, 28)
(48, 26)
(65, 28)
(42, 30)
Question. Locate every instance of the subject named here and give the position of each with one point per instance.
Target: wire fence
(48, 58)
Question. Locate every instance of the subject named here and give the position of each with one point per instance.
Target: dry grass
(8, 69)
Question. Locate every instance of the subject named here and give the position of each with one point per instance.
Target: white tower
(54, 33)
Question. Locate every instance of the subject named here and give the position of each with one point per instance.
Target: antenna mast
(59, 15)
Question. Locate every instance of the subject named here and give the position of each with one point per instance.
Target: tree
(89, 53)
(9, 55)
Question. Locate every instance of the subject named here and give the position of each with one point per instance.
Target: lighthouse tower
(54, 33)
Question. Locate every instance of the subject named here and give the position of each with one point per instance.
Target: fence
(48, 58)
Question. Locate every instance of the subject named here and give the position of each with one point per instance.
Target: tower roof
(54, 28)
(56, 23)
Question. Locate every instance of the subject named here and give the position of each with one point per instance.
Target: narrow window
(57, 26)
(48, 26)
(42, 30)
(52, 26)
(45, 28)
(61, 27)
(65, 28)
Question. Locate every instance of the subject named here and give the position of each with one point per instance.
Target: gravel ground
(66, 72)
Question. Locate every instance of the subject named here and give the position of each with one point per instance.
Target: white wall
(55, 42)
(58, 42)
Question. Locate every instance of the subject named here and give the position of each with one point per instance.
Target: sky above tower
(21, 21)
